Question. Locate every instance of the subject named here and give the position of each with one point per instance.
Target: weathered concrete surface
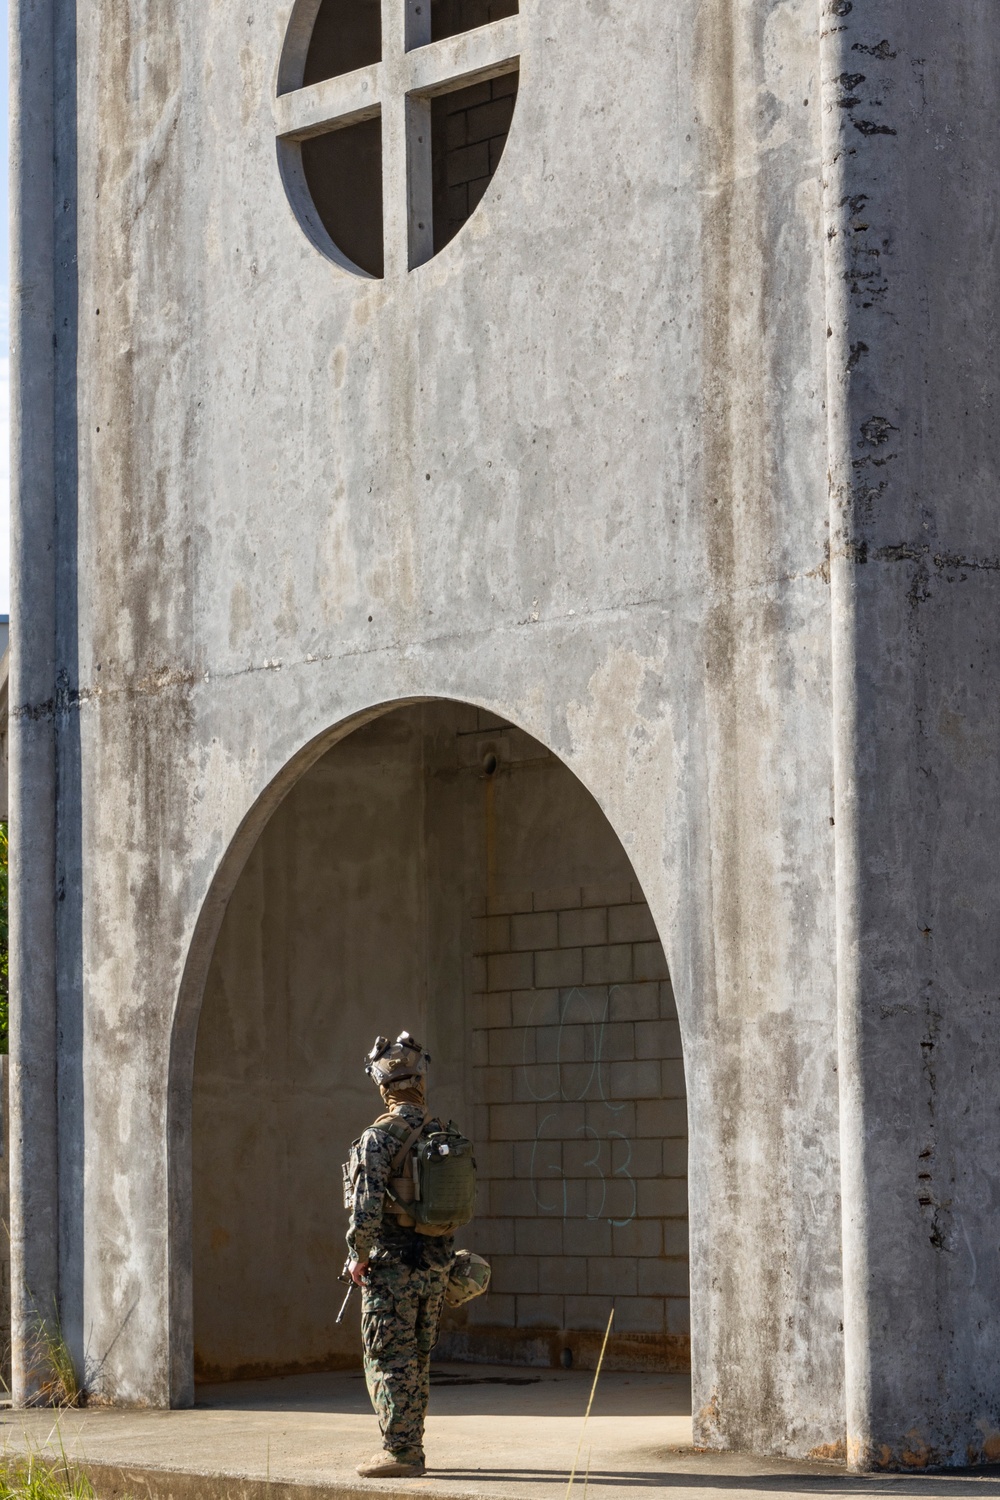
(617, 391)
(4, 734)
(484, 1435)
(35, 237)
(574, 471)
(912, 287)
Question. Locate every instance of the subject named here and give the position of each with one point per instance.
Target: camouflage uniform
(403, 1296)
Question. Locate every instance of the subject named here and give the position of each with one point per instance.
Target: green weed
(32, 1478)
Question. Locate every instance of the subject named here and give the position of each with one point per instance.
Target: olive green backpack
(432, 1180)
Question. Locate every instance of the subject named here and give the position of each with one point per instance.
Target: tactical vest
(432, 1179)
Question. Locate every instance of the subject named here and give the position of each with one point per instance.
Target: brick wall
(580, 1126)
(448, 17)
(469, 131)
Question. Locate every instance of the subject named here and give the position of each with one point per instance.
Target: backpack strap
(391, 1119)
(401, 1154)
(399, 1191)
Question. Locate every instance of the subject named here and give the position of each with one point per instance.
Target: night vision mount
(393, 1062)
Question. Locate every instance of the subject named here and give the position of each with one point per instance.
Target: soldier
(403, 1274)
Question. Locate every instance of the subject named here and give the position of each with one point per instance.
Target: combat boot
(386, 1465)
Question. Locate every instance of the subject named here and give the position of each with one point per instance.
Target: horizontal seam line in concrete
(189, 679)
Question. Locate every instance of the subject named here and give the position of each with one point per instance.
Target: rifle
(345, 1275)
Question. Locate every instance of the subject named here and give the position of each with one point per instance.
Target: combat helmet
(468, 1277)
(393, 1062)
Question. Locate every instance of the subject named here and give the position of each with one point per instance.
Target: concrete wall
(4, 734)
(5, 1306)
(573, 470)
(234, 555)
(5, 1299)
(910, 161)
(354, 914)
(324, 941)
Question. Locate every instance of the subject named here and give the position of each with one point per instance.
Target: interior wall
(577, 1062)
(323, 944)
(580, 1110)
(347, 34)
(439, 864)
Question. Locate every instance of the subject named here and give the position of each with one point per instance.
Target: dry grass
(586, 1419)
(58, 1384)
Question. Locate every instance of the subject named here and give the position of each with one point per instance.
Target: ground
(492, 1431)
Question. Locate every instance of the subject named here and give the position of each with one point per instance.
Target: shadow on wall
(441, 870)
(461, 1390)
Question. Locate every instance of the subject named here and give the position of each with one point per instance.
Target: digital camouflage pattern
(403, 1296)
(400, 1317)
(468, 1277)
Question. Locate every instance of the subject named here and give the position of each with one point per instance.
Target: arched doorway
(439, 869)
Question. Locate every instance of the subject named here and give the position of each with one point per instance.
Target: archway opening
(440, 870)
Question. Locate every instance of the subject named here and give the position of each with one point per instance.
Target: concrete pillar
(910, 96)
(5, 1369)
(34, 1146)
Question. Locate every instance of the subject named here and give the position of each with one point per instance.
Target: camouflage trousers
(400, 1315)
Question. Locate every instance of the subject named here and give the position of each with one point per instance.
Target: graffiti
(573, 1071)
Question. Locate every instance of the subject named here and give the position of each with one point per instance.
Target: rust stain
(834, 1453)
(220, 1238)
(709, 1416)
(919, 1453)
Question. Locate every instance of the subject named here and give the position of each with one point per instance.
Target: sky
(4, 330)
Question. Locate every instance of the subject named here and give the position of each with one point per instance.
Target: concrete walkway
(492, 1432)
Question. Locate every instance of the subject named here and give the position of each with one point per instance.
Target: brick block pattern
(469, 131)
(581, 1124)
(448, 17)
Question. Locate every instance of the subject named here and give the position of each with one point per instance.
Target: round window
(392, 116)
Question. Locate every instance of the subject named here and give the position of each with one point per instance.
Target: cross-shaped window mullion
(344, 100)
(468, 58)
(424, 71)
